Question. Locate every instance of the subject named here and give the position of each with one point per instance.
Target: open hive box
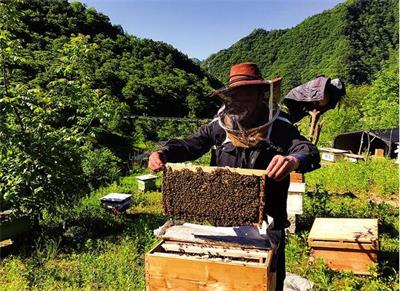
(198, 257)
(221, 257)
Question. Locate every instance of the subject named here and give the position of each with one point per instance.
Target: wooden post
(313, 123)
(317, 133)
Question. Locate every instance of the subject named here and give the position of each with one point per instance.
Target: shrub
(100, 166)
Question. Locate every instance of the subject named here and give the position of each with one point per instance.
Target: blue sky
(199, 28)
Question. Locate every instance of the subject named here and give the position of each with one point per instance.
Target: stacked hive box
(222, 197)
(296, 190)
(345, 243)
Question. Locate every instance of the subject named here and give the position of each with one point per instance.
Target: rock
(295, 282)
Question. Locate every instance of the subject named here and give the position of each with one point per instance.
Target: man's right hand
(157, 161)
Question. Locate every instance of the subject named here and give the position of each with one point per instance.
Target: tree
(46, 131)
(381, 106)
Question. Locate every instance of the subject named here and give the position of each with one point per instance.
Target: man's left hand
(281, 166)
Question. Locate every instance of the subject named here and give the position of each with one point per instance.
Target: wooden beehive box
(198, 257)
(379, 153)
(345, 243)
(331, 154)
(188, 266)
(146, 182)
(353, 158)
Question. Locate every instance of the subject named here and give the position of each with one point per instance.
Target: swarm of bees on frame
(221, 198)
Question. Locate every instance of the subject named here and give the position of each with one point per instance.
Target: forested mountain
(349, 41)
(70, 82)
(152, 77)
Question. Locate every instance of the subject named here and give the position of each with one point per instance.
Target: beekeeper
(250, 131)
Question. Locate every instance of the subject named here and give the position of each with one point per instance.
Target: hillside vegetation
(79, 97)
(349, 41)
(356, 41)
(70, 83)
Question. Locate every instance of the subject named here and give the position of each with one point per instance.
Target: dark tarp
(360, 141)
(304, 98)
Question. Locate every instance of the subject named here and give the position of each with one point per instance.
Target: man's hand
(281, 166)
(156, 161)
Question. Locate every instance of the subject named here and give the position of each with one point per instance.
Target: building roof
(387, 135)
(361, 140)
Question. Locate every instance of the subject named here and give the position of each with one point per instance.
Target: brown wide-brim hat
(243, 74)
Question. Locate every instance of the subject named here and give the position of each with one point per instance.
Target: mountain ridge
(330, 43)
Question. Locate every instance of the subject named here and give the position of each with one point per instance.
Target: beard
(244, 118)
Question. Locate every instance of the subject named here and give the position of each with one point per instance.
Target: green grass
(88, 248)
(373, 178)
(94, 250)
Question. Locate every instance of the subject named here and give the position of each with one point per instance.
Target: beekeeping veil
(245, 125)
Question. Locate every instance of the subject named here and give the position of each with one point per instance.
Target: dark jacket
(284, 140)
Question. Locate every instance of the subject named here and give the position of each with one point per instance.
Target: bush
(43, 173)
(100, 166)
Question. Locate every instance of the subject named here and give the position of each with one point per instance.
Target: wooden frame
(209, 169)
(183, 271)
(249, 172)
(294, 177)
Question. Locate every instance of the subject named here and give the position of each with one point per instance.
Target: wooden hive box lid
(147, 177)
(332, 150)
(344, 230)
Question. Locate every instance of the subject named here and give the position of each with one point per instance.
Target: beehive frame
(248, 203)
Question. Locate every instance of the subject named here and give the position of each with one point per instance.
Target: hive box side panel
(372, 246)
(352, 260)
(167, 273)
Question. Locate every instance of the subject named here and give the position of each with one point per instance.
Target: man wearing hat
(249, 131)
